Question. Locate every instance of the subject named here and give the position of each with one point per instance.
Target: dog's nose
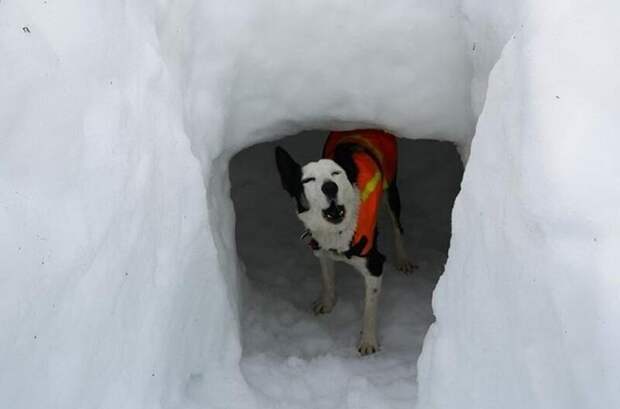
(330, 189)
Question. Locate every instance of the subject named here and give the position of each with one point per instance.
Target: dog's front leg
(368, 342)
(327, 300)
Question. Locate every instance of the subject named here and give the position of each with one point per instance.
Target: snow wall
(528, 307)
(120, 283)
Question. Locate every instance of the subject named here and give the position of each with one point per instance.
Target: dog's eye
(306, 180)
(337, 172)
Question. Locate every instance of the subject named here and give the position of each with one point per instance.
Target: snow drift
(117, 121)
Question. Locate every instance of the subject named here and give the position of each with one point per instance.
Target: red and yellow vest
(376, 161)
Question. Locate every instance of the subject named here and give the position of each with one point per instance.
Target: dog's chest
(338, 240)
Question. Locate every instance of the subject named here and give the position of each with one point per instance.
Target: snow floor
(294, 359)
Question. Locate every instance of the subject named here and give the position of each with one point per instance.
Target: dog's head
(324, 192)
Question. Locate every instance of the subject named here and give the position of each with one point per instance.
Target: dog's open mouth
(334, 213)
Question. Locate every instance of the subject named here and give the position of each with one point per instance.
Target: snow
(527, 305)
(105, 241)
(279, 68)
(121, 285)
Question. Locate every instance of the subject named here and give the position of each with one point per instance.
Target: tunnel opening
(290, 354)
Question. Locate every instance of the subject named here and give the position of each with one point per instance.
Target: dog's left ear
(290, 172)
(344, 159)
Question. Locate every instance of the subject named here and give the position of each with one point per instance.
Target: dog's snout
(330, 189)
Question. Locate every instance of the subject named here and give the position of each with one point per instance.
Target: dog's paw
(405, 266)
(322, 306)
(367, 347)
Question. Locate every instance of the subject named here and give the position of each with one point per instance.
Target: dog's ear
(344, 158)
(290, 172)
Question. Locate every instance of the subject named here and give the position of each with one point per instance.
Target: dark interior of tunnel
(284, 276)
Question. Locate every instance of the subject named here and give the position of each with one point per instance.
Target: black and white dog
(337, 200)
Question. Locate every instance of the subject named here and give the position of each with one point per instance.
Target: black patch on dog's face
(290, 175)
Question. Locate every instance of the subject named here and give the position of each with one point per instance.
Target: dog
(337, 199)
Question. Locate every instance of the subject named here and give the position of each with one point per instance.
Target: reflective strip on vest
(371, 186)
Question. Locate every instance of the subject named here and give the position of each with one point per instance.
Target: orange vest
(376, 161)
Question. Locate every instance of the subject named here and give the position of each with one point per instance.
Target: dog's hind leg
(325, 303)
(393, 205)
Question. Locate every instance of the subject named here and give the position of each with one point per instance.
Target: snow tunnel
(284, 343)
(124, 286)
(337, 80)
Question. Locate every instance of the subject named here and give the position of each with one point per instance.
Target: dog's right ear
(290, 172)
